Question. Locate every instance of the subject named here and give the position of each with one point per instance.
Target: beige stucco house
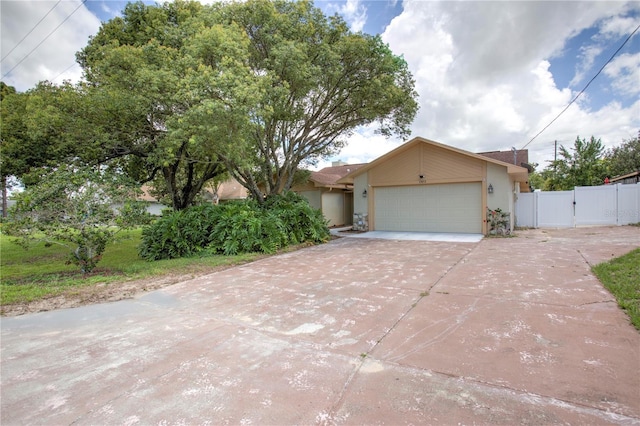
(427, 186)
(334, 199)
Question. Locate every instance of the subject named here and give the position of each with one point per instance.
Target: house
(323, 192)
(427, 186)
(521, 157)
(629, 178)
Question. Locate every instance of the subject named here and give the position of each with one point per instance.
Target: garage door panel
(429, 208)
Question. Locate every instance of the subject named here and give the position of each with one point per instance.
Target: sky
(490, 75)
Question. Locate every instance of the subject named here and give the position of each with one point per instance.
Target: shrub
(233, 228)
(80, 208)
(302, 222)
(180, 233)
(498, 222)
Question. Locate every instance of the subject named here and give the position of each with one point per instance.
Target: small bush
(233, 228)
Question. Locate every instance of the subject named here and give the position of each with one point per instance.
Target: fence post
(536, 194)
(618, 204)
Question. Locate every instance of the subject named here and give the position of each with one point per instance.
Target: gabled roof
(329, 176)
(518, 173)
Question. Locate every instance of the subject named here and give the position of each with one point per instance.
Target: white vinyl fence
(585, 205)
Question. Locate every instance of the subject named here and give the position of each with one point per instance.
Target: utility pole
(515, 155)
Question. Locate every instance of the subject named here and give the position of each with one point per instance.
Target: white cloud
(482, 71)
(481, 68)
(56, 53)
(353, 11)
(588, 55)
(617, 26)
(106, 8)
(625, 72)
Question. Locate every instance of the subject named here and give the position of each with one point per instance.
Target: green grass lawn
(621, 276)
(40, 272)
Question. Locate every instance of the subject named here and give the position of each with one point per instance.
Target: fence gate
(594, 205)
(628, 204)
(555, 209)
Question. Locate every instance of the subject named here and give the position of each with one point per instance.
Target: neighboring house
(228, 190)
(427, 186)
(335, 200)
(629, 178)
(521, 159)
(154, 207)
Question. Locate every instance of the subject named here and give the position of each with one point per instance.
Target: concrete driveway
(357, 331)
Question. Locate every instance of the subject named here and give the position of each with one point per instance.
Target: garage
(426, 186)
(454, 207)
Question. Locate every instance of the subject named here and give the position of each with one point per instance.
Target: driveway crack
(338, 404)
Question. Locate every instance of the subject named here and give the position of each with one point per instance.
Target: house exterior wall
(434, 164)
(333, 207)
(314, 197)
(360, 203)
(503, 187)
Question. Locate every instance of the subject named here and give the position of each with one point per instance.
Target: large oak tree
(171, 89)
(181, 93)
(324, 83)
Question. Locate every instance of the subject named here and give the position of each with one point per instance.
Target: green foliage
(301, 221)
(179, 93)
(81, 209)
(180, 233)
(621, 277)
(583, 165)
(625, 158)
(6, 90)
(255, 89)
(173, 90)
(44, 127)
(321, 83)
(536, 179)
(233, 228)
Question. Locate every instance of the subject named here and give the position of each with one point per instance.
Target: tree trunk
(4, 196)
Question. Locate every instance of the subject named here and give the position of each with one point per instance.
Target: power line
(66, 69)
(585, 88)
(30, 31)
(45, 39)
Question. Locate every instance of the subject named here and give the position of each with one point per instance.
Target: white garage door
(454, 207)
